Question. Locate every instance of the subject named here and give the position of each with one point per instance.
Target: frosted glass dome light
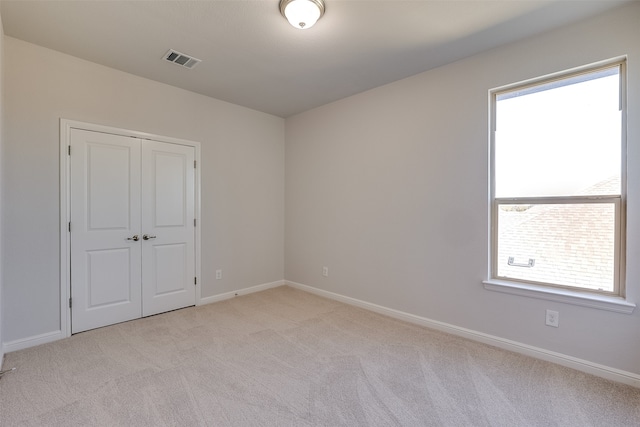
(302, 14)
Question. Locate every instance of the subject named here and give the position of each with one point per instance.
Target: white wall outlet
(218, 274)
(553, 318)
(325, 271)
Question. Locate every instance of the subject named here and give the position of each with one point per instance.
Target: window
(558, 181)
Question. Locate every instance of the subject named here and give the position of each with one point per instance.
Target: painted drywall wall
(1, 172)
(389, 190)
(242, 175)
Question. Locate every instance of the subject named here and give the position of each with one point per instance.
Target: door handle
(135, 238)
(147, 237)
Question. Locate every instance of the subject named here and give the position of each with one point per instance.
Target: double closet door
(132, 228)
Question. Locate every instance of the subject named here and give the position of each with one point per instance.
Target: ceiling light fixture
(302, 14)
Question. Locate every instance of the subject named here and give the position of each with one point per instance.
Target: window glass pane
(561, 244)
(560, 138)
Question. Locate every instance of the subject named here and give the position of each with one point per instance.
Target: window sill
(584, 299)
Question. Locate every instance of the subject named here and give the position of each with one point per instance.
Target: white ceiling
(251, 56)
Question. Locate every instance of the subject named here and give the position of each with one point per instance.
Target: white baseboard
(582, 365)
(23, 343)
(244, 291)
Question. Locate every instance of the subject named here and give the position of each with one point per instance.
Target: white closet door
(105, 218)
(168, 212)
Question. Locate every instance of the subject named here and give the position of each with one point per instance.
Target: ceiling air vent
(181, 59)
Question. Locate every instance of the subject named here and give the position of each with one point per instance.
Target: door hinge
(194, 164)
(70, 303)
(69, 150)
(194, 222)
(69, 226)
(195, 280)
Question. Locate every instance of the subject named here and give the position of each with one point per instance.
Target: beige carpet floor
(284, 357)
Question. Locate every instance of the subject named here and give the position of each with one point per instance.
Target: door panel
(108, 277)
(105, 211)
(170, 267)
(169, 172)
(108, 186)
(168, 211)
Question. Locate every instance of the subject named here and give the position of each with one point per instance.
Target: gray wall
(389, 189)
(1, 171)
(242, 175)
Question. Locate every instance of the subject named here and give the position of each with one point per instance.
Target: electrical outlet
(553, 318)
(325, 271)
(218, 274)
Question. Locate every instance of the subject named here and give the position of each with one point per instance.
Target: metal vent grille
(181, 59)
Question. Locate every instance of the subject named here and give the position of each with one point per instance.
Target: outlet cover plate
(553, 318)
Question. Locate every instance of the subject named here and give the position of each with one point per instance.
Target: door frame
(65, 206)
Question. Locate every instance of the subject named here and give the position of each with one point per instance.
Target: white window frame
(613, 301)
